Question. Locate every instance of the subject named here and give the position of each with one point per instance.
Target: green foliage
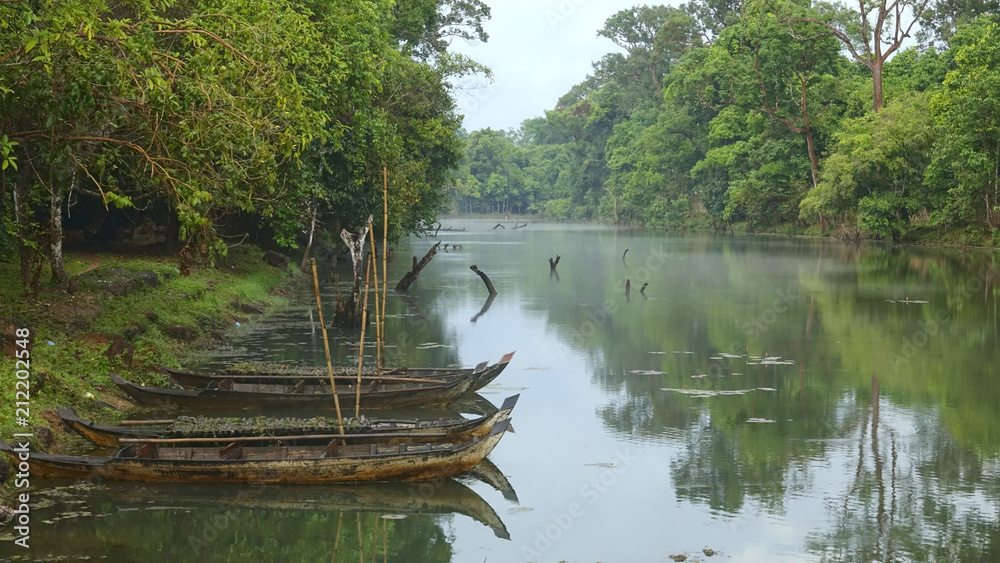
(967, 110)
(879, 161)
(757, 117)
(274, 109)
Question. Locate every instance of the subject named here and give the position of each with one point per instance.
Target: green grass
(75, 363)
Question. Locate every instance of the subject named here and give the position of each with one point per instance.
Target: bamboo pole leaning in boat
(385, 249)
(378, 317)
(326, 347)
(361, 345)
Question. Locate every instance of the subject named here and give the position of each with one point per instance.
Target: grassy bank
(123, 314)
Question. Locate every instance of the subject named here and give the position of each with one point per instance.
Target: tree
(791, 74)
(871, 34)
(967, 110)
(137, 101)
(877, 168)
(425, 28)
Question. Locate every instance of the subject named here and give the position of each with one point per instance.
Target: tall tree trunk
(807, 131)
(813, 160)
(876, 66)
(55, 233)
(173, 232)
(30, 264)
(312, 232)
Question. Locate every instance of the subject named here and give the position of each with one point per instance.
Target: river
(762, 399)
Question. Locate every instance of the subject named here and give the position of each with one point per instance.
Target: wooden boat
(482, 375)
(295, 432)
(302, 397)
(333, 463)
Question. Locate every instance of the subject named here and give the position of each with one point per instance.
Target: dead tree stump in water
(628, 289)
(411, 276)
(349, 313)
(643, 290)
(554, 263)
(486, 279)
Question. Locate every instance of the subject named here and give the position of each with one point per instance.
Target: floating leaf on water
(766, 389)
(728, 355)
(521, 509)
(706, 393)
(735, 373)
(715, 357)
(393, 516)
(601, 464)
(759, 420)
(699, 376)
(659, 352)
(647, 372)
(430, 345)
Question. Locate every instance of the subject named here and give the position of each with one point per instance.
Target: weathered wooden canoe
(379, 397)
(446, 496)
(299, 432)
(313, 378)
(334, 463)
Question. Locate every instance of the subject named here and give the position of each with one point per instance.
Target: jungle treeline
(213, 118)
(880, 119)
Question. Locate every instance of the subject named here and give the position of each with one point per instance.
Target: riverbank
(122, 314)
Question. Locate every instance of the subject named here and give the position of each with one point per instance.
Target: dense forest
(878, 120)
(210, 119)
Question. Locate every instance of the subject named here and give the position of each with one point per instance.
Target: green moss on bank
(126, 315)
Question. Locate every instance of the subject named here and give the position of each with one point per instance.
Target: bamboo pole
(385, 248)
(375, 531)
(361, 345)
(326, 347)
(361, 545)
(336, 542)
(378, 324)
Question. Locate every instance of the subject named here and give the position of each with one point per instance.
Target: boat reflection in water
(209, 522)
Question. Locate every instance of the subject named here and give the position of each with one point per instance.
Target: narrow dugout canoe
(387, 431)
(313, 378)
(333, 463)
(302, 398)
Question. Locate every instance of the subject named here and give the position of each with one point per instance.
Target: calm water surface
(766, 399)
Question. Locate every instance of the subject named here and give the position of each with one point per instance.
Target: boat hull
(481, 376)
(398, 396)
(376, 431)
(401, 462)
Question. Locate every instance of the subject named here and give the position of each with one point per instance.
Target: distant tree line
(279, 112)
(767, 115)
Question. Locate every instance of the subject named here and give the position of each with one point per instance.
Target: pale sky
(537, 50)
